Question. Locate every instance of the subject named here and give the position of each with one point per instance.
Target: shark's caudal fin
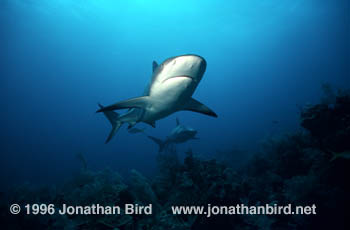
(159, 142)
(113, 119)
(138, 102)
(115, 128)
(195, 106)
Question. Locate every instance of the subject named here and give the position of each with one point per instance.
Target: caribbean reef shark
(179, 134)
(170, 90)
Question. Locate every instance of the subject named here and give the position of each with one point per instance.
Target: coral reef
(329, 124)
(292, 169)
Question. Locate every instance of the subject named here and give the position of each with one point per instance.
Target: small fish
(344, 155)
(275, 122)
(136, 130)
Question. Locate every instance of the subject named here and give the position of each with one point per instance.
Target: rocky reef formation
(297, 169)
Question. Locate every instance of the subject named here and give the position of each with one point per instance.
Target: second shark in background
(179, 134)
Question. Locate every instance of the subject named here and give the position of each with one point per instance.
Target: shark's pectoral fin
(195, 106)
(138, 102)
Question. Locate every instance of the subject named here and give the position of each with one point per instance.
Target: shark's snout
(192, 132)
(198, 65)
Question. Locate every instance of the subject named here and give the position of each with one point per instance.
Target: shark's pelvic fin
(131, 124)
(195, 106)
(138, 102)
(154, 66)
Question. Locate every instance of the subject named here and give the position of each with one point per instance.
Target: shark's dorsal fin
(195, 106)
(177, 121)
(154, 66)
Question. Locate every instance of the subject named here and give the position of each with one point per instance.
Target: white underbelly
(168, 97)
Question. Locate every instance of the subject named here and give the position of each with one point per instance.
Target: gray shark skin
(179, 134)
(170, 90)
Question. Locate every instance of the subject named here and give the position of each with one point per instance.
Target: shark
(170, 90)
(179, 134)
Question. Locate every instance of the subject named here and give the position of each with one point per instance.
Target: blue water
(60, 58)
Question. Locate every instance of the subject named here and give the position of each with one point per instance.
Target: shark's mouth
(180, 76)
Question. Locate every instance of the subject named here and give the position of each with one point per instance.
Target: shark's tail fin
(115, 128)
(160, 143)
(113, 119)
